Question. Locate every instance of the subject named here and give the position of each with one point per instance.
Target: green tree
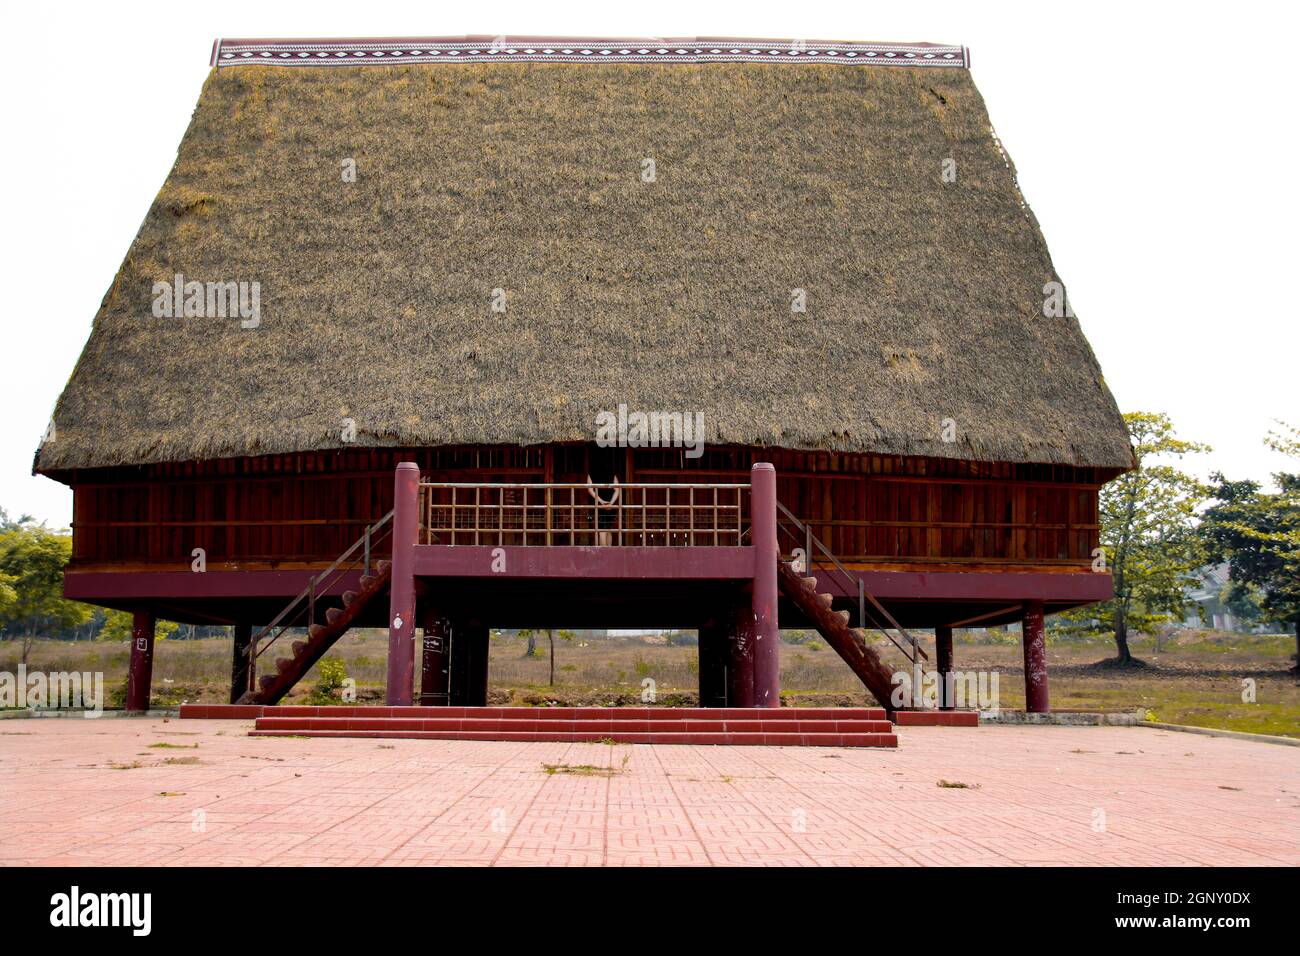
(117, 627)
(1258, 534)
(32, 558)
(1148, 531)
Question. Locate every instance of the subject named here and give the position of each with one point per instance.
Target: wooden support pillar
(943, 663)
(401, 604)
(458, 683)
(241, 662)
(469, 664)
(435, 661)
(767, 633)
(478, 663)
(740, 647)
(1036, 701)
(140, 673)
(713, 665)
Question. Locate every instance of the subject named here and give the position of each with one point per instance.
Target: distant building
(1204, 607)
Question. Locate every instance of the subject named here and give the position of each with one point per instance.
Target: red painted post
(140, 673)
(478, 676)
(713, 665)
(1035, 659)
(401, 602)
(435, 662)
(767, 634)
(740, 645)
(943, 663)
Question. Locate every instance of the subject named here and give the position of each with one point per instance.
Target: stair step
(937, 718)
(333, 614)
(349, 597)
(720, 738)
(811, 582)
(383, 566)
(826, 599)
(298, 648)
(593, 728)
(282, 664)
(558, 716)
(316, 631)
(367, 580)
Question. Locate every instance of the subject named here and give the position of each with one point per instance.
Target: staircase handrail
(913, 648)
(308, 594)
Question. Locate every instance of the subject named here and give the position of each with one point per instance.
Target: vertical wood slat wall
(311, 506)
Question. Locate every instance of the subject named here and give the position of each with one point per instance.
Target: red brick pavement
(90, 792)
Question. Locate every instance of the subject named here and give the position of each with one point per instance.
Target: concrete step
(251, 711)
(558, 736)
(589, 728)
(936, 718)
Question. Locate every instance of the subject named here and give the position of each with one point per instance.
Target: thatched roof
(924, 297)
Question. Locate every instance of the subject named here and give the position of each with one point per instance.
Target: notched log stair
(849, 642)
(320, 638)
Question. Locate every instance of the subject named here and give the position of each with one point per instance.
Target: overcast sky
(1157, 147)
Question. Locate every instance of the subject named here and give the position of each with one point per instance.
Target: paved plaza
(201, 792)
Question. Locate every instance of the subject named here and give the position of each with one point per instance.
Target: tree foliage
(1148, 530)
(1258, 534)
(32, 558)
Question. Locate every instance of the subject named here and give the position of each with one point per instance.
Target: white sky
(1157, 146)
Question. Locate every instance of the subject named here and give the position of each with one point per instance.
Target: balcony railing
(585, 515)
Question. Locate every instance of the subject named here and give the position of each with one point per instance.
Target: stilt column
(943, 662)
(241, 662)
(401, 605)
(713, 665)
(740, 647)
(140, 674)
(469, 660)
(767, 634)
(478, 681)
(1035, 659)
(435, 662)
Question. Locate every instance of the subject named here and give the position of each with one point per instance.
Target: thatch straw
(924, 298)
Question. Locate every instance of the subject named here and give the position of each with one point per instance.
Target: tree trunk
(550, 636)
(1121, 635)
(1297, 646)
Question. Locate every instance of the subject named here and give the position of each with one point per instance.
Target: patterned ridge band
(485, 49)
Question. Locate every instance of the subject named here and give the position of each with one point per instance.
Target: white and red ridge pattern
(486, 49)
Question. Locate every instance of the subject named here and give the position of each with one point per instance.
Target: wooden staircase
(320, 638)
(849, 642)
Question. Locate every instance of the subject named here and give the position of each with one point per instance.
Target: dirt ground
(1202, 678)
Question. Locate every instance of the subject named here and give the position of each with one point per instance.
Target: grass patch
(579, 770)
(163, 745)
(957, 785)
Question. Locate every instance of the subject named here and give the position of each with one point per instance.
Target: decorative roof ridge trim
(508, 49)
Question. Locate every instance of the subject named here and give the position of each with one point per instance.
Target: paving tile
(1032, 796)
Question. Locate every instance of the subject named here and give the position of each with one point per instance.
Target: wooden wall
(307, 508)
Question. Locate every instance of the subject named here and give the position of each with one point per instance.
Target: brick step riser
(937, 718)
(711, 739)
(248, 712)
(598, 727)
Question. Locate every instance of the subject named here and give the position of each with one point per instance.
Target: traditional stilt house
(443, 335)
